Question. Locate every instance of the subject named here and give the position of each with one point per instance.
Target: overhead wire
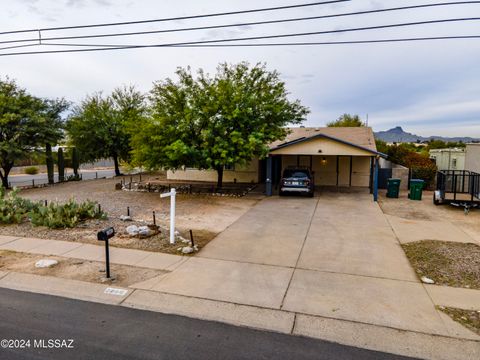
(250, 38)
(188, 17)
(211, 27)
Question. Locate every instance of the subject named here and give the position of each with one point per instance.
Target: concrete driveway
(334, 256)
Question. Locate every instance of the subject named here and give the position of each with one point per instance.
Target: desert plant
(73, 177)
(31, 170)
(66, 215)
(61, 165)
(49, 160)
(13, 208)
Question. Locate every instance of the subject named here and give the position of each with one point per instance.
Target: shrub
(422, 168)
(73, 177)
(13, 208)
(31, 170)
(67, 215)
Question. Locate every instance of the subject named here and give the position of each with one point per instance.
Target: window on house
(229, 167)
(454, 163)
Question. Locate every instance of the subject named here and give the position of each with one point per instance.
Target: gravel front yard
(205, 215)
(468, 318)
(447, 263)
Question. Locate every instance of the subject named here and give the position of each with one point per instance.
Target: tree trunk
(75, 161)
(4, 176)
(61, 165)
(220, 177)
(117, 168)
(50, 170)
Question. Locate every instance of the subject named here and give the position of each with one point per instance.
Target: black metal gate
(383, 176)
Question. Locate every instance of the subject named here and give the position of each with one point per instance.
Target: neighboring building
(339, 156)
(449, 159)
(472, 157)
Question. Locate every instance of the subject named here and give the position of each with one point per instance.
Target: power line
(188, 45)
(240, 24)
(376, 27)
(249, 11)
(454, 37)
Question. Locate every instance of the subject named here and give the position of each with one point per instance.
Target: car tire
(281, 193)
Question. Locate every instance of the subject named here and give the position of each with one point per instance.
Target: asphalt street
(100, 331)
(25, 180)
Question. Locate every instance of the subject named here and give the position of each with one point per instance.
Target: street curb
(73, 289)
(345, 332)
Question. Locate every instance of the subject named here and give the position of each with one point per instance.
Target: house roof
(359, 137)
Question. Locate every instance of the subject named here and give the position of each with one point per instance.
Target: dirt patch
(468, 318)
(447, 263)
(205, 215)
(91, 271)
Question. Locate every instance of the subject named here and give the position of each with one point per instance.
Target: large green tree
(27, 123)
(212, 122)
(100, 127)
(347, 120)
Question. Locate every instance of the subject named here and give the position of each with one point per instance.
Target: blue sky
(426, 87)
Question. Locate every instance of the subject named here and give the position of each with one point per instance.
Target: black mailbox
(105, 234)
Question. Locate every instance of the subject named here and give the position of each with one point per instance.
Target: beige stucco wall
(472, 157)
(320, 146)
(325, 168)
(242, 174)
(361, 171)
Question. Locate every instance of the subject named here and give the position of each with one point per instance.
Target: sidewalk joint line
(359, 275)
(9, 242)
(300, 252)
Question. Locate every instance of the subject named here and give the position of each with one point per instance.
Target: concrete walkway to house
(328, 267)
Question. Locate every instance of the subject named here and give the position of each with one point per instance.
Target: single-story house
(339, 156)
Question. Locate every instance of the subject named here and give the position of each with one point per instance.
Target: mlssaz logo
(53, 343)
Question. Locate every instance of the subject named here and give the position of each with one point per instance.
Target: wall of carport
(334, 170)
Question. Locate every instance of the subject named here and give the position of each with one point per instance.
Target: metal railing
(459, 182)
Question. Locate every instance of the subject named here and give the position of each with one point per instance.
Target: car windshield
(296, 173)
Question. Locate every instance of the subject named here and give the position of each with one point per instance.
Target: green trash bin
(416, 189)
(393, 188)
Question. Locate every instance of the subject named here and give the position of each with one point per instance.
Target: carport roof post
(268, 180)
(375, 179)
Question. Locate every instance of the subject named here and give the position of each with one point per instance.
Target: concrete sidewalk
(121, 256)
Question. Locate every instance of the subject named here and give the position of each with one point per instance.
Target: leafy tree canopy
(440, 144)
(26, 124)
(100, 126)
(347, 120)
(211, 122)
(381, 146)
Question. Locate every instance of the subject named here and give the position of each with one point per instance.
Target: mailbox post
(171, 194)
(104, 235)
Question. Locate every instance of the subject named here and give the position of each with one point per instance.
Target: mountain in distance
(397, 134)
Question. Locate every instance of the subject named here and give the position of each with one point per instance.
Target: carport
(339, 157)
